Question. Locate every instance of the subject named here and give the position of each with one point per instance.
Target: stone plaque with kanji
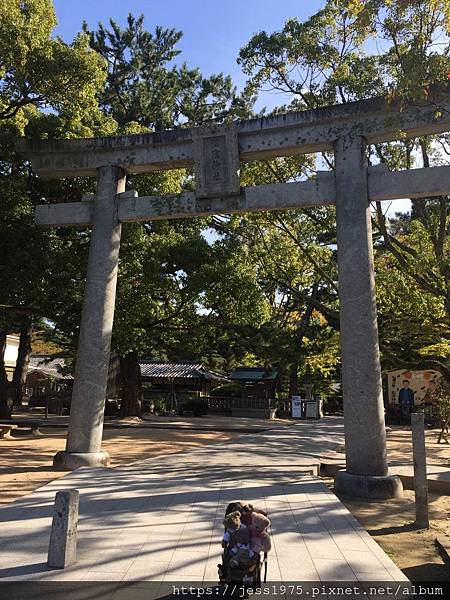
(216, 155)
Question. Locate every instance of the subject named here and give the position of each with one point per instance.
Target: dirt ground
(414, 551)
(391, 522)
(400, 446)
(26, 462)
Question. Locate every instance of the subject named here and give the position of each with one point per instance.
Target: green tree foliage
(352, 50)
(263, 289)
(413, 289)
(157, 304)
(145, 87)
(290, 282)
(38, 72)
(294, 271)
(107, 81)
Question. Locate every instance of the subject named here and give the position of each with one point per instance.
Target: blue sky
(214, 30)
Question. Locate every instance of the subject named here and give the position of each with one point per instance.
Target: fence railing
(222, 404)
(218, 404)
(284, 408)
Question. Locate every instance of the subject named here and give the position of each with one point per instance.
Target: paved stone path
(163, 522)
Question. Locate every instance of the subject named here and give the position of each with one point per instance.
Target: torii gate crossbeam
(215, 153)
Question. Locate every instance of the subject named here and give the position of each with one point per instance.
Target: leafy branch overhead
(146, 87)
(39, 71)
(352, 50)
(256, 289)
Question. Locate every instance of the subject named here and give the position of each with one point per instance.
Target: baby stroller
(235, 571)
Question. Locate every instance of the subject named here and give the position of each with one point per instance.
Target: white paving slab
(154, 523)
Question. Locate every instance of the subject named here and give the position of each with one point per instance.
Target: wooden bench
(8, 425)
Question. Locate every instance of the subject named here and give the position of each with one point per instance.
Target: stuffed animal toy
(246, 514)
(259, 538)
(241, 554)
(258, 509)
(232, 523)
(232, 507)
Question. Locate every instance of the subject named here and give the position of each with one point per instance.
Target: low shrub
(227, 390)
(197, 406)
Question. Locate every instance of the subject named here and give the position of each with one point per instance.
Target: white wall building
(11, 351)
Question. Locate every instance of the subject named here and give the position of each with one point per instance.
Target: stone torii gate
(215, 153)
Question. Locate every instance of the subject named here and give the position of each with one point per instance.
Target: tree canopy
(352, 50)
(255, 289)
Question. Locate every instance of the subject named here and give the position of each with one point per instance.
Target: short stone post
(62, 549)
(366, 473)
(420, 469)
(84, 436)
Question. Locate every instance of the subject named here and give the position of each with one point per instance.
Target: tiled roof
(177, 370)
(48, 366)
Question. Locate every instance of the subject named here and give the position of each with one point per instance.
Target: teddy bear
(246, 512)
(233, 506)
(259, 538)
(232, 522)
(241, 554)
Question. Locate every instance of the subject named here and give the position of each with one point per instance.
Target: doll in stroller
(245, 545)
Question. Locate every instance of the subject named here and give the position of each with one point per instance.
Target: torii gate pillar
(91, 372)
(366, 473)
(215, 152)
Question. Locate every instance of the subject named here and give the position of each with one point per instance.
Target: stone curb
(435, 486)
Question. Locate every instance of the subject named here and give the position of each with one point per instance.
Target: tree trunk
(5, 399)
(293, 380)
(21, 368)
(131, 404)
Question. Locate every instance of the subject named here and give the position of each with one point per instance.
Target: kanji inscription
(216, 162)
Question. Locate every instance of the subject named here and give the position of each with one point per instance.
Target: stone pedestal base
(368, 486)
(69, 461)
